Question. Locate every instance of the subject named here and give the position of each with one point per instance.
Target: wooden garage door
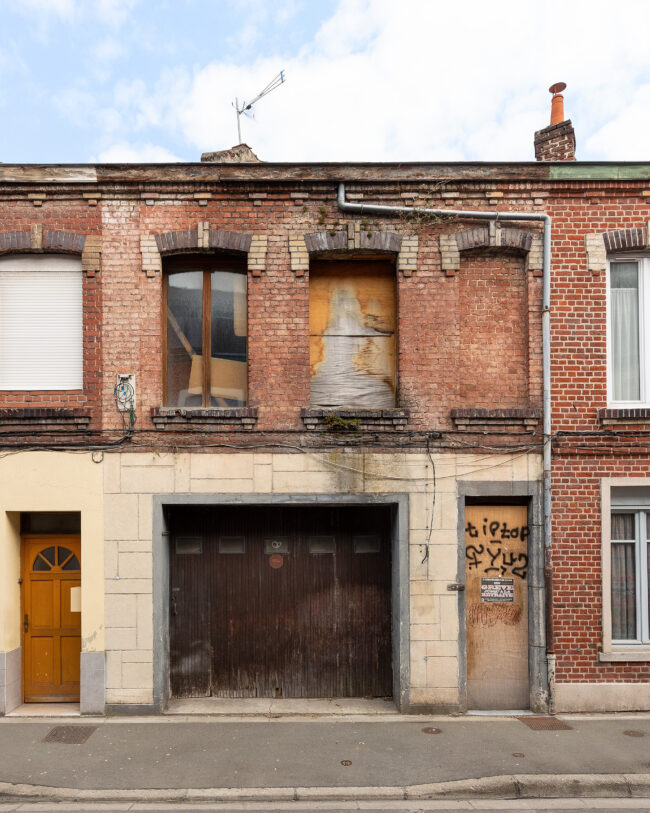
(280, 602)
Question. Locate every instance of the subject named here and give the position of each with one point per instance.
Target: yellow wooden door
(51, 569)
(496, 571)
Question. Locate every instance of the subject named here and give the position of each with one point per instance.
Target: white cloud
(416, 80)
(111, 12)
(628, 130)
(124, 153)
(116, 12)
(59, 8)
(108, 49)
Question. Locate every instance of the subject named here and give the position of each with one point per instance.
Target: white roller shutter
(41, 336)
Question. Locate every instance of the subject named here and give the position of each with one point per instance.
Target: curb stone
(521, 786)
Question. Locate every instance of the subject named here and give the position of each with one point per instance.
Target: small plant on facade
(337, 423)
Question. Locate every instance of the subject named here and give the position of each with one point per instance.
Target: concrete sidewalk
(286, 758)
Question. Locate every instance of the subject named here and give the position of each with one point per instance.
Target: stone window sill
(619, 655)
(495, 421)
(624, 415)
(43, 419)
(342, 421)
(204, 419)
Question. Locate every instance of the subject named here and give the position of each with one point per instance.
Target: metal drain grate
(70, 734)
(545, 724)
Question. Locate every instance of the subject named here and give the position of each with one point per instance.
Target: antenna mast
(272, 85)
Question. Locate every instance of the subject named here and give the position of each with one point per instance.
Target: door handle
(26, 623)
(174, 606)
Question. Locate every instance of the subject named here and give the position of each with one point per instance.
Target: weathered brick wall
(579, 391)
(556, 143)
(493, 321)
(40, 214)
(432, 349)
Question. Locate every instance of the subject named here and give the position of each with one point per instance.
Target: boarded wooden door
(496, 565)
(280, 602)
(51, 570)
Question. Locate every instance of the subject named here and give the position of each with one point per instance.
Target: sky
(105, 81)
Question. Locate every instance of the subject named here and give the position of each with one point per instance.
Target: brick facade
(594, 444)
(61, 224)
(468, 359)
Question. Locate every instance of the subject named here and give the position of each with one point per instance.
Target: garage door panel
(190, 612)
(291, 624)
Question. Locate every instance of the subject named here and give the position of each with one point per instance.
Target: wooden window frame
(206, 265)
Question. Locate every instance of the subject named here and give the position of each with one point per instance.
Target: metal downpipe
(372, 208)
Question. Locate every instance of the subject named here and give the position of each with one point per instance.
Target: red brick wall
(431, 351)
(434, 309)
(579, 390)
(77, 217)
(577, 600)
(493, 326)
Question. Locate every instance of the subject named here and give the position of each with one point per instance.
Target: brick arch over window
(491, 236)
(156, 246)
(600, 244)
(38, 240)
(302, 247)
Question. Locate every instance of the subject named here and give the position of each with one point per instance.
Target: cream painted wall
(52, 481)
(132, 478)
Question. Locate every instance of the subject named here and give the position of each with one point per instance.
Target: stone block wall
(131, 480)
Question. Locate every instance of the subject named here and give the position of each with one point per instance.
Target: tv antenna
(272, 85)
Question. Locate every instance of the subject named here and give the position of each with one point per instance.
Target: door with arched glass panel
(51, 619)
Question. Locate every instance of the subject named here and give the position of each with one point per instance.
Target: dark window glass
(41, 564)
(219, 297)
(62, 555)
(72, 564)
(185, 339)
(48, 554)
(50, 522)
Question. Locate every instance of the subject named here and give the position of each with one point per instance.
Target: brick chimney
(557, 142)
(241, 153)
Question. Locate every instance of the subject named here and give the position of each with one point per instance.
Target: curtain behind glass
(624, 289)
(623, 578)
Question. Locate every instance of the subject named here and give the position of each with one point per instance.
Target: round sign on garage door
(276, 560)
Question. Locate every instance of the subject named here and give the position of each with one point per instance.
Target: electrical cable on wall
(433, 502)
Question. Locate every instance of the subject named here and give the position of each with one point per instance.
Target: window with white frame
(629, 340)
(41, 329)
(629, 563)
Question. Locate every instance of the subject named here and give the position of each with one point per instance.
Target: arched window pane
(63, 554)
(72, 564)
(48, 554)
(41, 564)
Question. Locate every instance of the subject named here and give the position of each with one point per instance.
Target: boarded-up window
(352, 334)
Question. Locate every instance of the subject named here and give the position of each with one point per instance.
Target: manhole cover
(545, 724)
(70, 734)
(431, 730)
(631, 732)
(346, 763)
